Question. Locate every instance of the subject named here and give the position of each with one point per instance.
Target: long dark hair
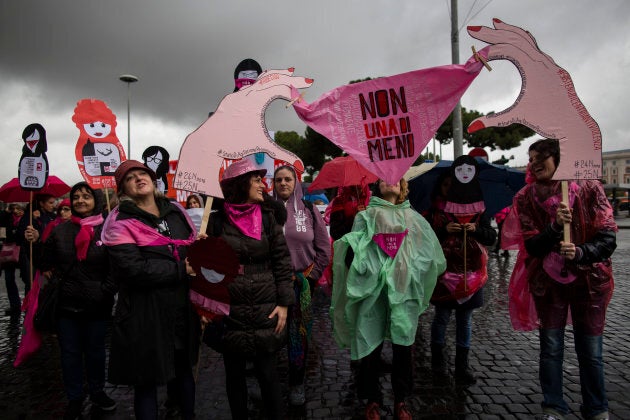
(236, 190)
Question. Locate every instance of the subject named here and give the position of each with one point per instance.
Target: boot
(438, 359)
(463, 374)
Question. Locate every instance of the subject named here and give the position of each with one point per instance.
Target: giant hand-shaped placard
(236, 129)
(547, 103)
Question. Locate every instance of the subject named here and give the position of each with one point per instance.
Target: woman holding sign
(155, 333)
(73, 258)
(563, 275)
(384, 273)
(464, 230)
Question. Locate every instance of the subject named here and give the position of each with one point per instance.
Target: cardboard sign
(236, 129)
(385, 123)
(98, 150)
(33, 166)
(547, 103)
(157, 159)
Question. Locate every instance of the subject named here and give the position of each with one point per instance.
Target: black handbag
(213, 334)
(45, 319)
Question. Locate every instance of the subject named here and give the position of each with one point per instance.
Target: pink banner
(386, 122)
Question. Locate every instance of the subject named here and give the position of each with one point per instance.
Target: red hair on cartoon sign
(98, 150)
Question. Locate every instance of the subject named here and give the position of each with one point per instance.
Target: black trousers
(266, 371)
(402, 374)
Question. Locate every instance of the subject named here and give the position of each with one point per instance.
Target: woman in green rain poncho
(384, 272)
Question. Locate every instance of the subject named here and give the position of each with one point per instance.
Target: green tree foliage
(314, 149)
(503, 138)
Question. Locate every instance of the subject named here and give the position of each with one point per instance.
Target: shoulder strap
(309, 205)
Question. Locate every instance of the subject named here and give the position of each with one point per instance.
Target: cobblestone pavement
(505, 363)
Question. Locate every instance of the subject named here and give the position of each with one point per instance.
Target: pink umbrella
(12, 192)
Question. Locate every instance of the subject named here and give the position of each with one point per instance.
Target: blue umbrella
(499, 183)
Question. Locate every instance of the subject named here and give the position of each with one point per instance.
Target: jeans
(266, 371)
(79, 340)
(463, 325)
(12, 289)
(589, 352)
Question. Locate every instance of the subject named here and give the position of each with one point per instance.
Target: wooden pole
(107, 199)
(564, 185)
(206, 215)
(465, 276)
(30, 244)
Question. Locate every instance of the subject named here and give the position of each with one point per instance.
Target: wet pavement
(505, 363)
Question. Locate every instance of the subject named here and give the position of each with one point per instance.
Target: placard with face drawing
(98, 150)
(157, 159)
(33, 166)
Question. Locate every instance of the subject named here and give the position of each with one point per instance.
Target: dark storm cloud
(184, 52)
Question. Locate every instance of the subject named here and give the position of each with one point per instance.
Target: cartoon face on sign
(465, 173)
(156, 158)
(33, 166)
(98, 150)
(97, 129)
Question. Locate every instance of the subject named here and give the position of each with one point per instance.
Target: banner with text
(385, 123)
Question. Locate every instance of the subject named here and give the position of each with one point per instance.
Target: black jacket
(153, 315)
(265, 283)
(87, 287)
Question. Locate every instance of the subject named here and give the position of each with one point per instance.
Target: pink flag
(390, 242)
(31, 338)
(385, 123)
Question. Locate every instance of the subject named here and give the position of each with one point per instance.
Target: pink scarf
(86, 233)
(133, 231)
(246, 217)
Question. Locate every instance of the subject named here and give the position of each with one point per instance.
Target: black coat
(265, 283)
(153, 316)
(87, 287)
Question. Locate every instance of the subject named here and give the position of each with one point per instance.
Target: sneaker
(74, 409)
(102, 401)
(600, 416)
(297, 395)
(401, 412)
(372, 411)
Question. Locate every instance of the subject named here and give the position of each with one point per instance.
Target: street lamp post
(129, 79)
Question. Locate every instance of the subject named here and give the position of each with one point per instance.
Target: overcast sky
(54, 53)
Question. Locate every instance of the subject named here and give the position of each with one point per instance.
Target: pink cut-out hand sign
(236, 129)
(547, 103)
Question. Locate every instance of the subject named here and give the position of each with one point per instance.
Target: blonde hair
(404, 191)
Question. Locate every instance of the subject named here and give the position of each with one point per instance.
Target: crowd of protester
(126, 268)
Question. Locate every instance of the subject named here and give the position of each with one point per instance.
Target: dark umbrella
(499, 184)
(342, 172)
(12, 192)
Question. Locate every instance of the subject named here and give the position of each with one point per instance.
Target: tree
(314, 149)
(503, 138)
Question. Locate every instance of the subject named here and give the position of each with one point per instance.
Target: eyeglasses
(154, 159)
(65, 209)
